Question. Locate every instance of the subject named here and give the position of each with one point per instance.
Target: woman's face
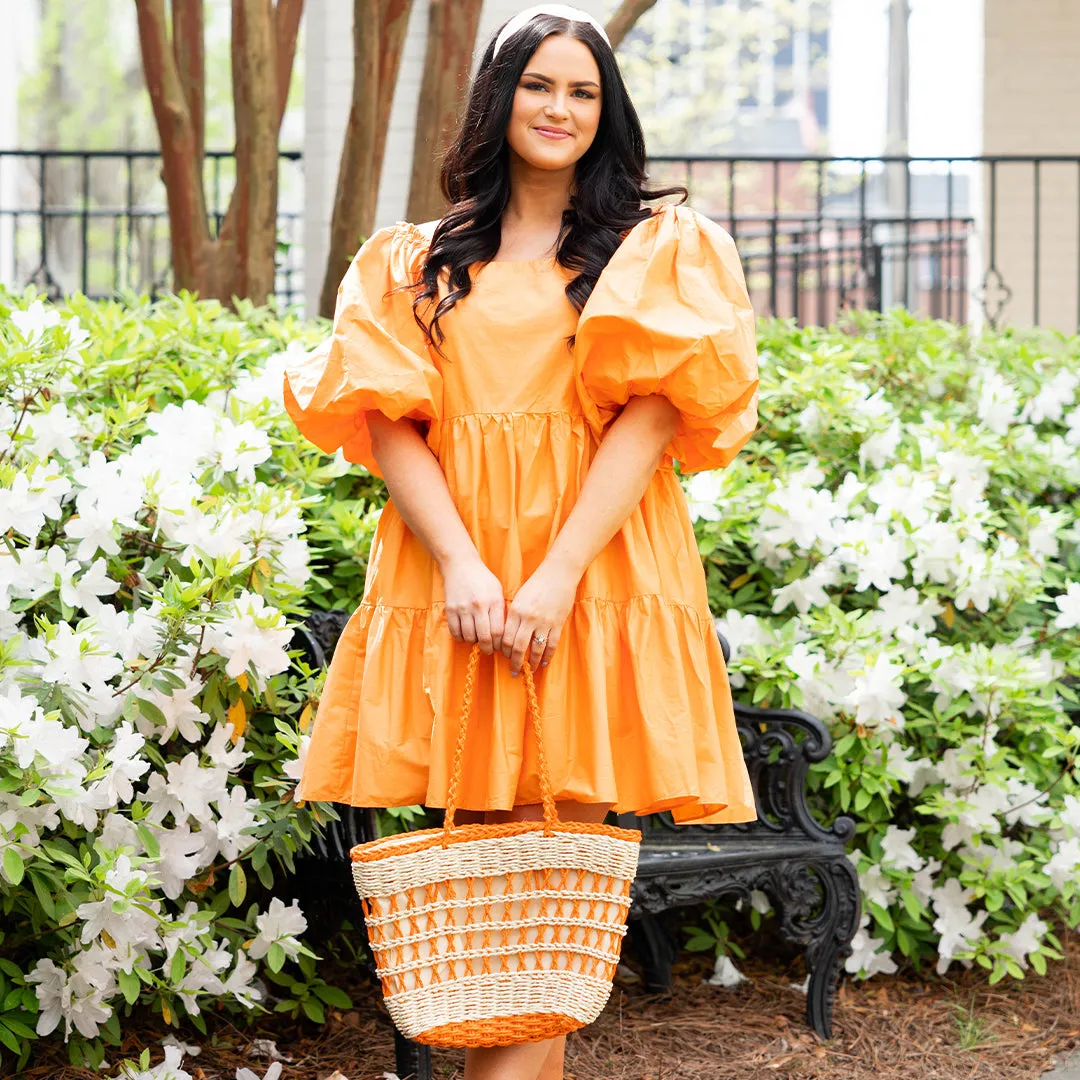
(556, 105)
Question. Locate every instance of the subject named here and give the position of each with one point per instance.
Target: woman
(522, 373)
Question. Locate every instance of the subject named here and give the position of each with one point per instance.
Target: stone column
(1031, 83)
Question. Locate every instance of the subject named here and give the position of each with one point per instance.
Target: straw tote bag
(489, 935)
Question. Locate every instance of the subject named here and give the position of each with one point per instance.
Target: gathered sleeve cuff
(670, 315)
(376, 358)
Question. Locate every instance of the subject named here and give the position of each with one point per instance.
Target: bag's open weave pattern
(488, 935)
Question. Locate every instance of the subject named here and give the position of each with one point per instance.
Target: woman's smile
(552, 132)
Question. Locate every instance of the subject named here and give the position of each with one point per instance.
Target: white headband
(561, 11)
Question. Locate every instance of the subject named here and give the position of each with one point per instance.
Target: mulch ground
(950, 1028)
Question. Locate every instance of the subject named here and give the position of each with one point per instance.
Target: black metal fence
(96, 221)
(959, 238)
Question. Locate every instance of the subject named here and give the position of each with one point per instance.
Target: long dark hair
(609, 179)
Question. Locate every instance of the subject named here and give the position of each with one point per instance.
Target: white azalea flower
(255, 633)
(922, 884)
(877, 555)
(880, 447)
(221, 751)
(703, 493)
(169, 1069)
(1068, 604)
(53, 432)
(809, 591)
(741, 630)
(1065, 862)
(125, 766)
(998, 402)
(1055, 395)
(240, 982)
(34, 321)
(896, 849)
(878, 694)
(901, 493)
(266, 386)
(294, 768)
(30, 500)
(1072, 422)
(866, 959)
(183, 854)
(236, 813)
(959, 929)
(194, 787)
(876, 885)
(278, 925)
(1025, 939)
(77, 658)
(241, 447)
(116, 915)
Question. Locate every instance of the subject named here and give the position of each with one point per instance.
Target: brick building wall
(328, 89)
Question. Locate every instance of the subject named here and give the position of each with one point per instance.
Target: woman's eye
(535, 86)
(586, 94)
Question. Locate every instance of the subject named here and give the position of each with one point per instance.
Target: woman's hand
(540, 607)
(475, 604)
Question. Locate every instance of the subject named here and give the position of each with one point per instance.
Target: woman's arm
(624, 464)
(475, 604)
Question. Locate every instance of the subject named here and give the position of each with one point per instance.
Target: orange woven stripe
(500, 1030)
(371, 851)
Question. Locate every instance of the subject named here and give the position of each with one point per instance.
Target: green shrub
(897, 551)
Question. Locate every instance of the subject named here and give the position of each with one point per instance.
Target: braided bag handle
(551, 816)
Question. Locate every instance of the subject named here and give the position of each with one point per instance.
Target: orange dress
(635, 702)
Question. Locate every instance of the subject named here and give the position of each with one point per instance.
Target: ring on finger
(540, 639)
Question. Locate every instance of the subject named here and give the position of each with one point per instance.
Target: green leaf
(44, 897)
(1038, 962)
(8, 1038)
(177, 967)
(882, 916)
(24, 1031)
(237, 884)
(275, 957)
(911, 904)
(130, 986)
(333, 996)
(151, 712)
(314, 1010)
(13, 865)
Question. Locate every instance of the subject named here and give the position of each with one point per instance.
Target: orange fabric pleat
(636, 703)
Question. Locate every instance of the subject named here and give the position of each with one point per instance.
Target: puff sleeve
(376, 358)
(670, 315)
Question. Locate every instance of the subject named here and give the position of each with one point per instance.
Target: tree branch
(622, 22)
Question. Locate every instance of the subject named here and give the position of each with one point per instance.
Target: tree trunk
(378, 38)
(452, 26)
(180, 150)
(248, 240)
(188, 23)
(239, 262)
(622, 22)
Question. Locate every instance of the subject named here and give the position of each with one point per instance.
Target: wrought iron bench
(798, 863)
